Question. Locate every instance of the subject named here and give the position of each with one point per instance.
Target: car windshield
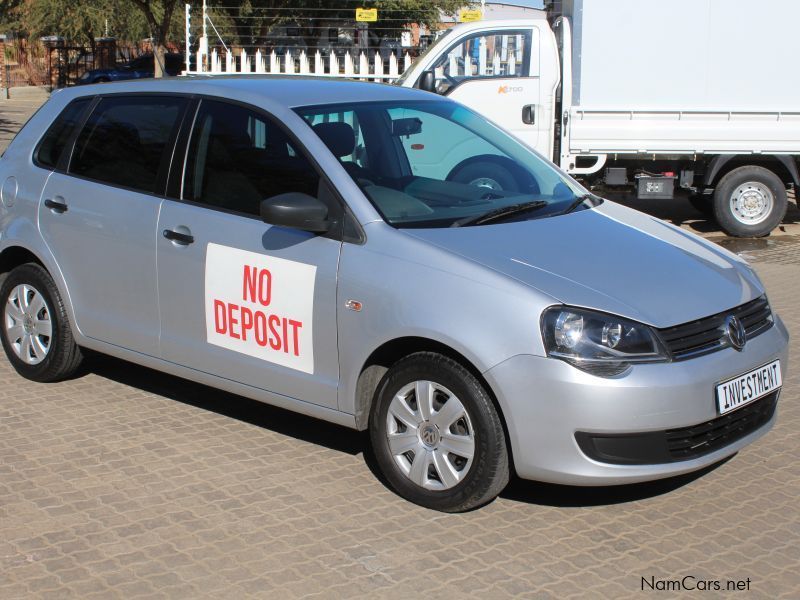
(438, 164)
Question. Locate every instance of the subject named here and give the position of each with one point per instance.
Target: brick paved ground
(128, 483)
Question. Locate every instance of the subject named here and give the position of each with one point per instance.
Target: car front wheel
(437, 436)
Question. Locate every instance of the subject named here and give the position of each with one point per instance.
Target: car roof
(289, 91)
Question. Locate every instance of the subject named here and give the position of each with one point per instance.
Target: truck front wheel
(750, 201)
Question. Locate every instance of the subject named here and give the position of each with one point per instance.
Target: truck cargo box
(718, 54)
(683, 77)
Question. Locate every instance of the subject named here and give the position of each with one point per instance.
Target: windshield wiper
(577, 202)
(499, 213)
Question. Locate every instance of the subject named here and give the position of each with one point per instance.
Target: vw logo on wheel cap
(737, 336)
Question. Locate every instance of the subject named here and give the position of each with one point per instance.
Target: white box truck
(699, 95)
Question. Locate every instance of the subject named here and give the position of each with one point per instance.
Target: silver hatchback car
(387, 260)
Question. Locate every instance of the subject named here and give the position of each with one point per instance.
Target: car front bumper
(546, 402)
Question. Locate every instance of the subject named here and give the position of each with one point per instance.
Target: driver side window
(237, 158)
(500, 54)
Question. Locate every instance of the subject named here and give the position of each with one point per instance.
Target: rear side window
(52, 144)
(126, 139)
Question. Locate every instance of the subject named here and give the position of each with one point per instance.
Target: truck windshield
(420, 59)
(438, 164)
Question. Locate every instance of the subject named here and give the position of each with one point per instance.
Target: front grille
(708, 335)
(691, 442)
(673, 445)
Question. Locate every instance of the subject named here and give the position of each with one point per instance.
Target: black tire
(484, 173)
(63, 357)
(703, 204)
(727, 189)
(488, 472)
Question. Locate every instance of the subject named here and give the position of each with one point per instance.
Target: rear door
(99, 217)
(496, 73)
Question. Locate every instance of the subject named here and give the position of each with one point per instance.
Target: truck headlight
(596, 342)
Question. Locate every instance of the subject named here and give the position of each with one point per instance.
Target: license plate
(748, 387)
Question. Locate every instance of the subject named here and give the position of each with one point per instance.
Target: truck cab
(506, 69)
(600, 88)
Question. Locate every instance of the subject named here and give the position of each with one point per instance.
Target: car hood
(610, 258)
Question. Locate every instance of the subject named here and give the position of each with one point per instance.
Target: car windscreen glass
(438, 164)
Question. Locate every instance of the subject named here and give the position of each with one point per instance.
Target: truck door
(496, 73)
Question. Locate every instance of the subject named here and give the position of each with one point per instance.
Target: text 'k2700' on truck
(690, 94)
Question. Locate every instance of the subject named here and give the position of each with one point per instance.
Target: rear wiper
(499, 213)
(577, 202)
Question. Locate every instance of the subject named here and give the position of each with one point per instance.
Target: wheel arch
(14, 256)
(783, 165)
(390, 352)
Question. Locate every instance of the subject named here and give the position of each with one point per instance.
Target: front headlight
(596, 342)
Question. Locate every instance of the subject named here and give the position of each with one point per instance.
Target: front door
(99, 217)
(238, 298)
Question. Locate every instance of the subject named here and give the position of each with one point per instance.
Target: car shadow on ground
(352, 442)
(230, 405)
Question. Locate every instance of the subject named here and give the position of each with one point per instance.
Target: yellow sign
(468, 16)
(366, 15)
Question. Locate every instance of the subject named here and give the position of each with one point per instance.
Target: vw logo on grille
(736, 333)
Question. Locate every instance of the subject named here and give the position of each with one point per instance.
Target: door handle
(56, 206)
(529, 114)
(177, 236)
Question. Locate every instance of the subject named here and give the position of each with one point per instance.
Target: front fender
(409, 288)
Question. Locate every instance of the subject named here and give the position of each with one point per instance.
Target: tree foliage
(84, 21)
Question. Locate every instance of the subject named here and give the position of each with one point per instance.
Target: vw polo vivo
(338, 249)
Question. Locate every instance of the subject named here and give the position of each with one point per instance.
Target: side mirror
(427, 81)
(296, 210)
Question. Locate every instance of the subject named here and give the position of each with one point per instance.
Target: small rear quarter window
(55, 139)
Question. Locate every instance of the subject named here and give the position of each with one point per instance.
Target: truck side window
(499, 55)
(238, 157)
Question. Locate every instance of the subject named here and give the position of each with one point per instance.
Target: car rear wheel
(437, 436)
(36, 334)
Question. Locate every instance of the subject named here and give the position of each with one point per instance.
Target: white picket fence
(492, 59)
(260, 63)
